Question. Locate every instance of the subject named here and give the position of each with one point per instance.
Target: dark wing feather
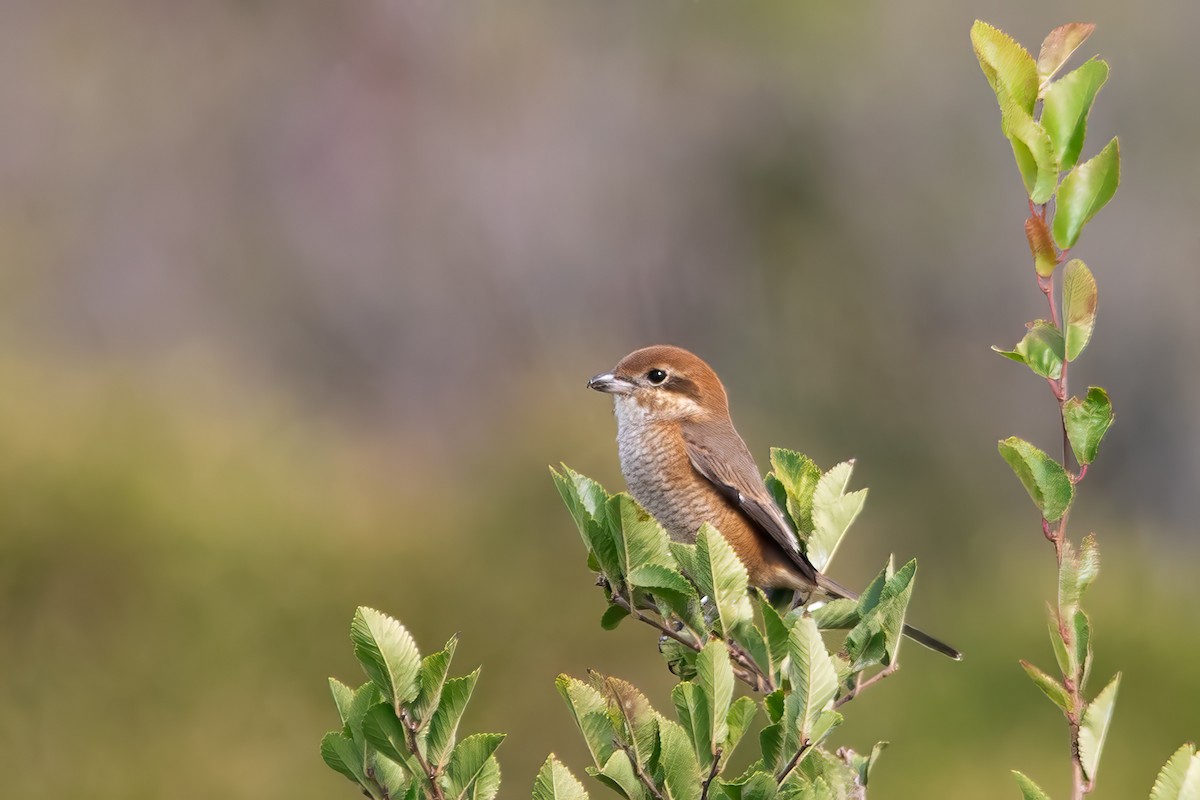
(736, 476)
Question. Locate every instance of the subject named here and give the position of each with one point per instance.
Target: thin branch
(791, 765)
(431, 772)
(646, 780)
(861, 684)
(712, 774)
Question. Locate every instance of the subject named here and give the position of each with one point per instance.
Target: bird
(685, 463)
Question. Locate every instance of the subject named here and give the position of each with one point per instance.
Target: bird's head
(664, 383)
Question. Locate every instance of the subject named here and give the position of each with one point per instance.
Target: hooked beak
(610, 383)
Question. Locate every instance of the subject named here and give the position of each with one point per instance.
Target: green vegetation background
(298, 302)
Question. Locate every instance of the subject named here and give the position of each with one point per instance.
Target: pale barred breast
(661, 478)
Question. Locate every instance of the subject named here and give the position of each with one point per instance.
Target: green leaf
(587, 501)
(833, 511)
(1043, 477)
(1076, 573)
(1058, 47)
(443, 726)
(342, 695)
(1078, 307)
(612, 617)
(1008, 67)
(1082, 642)
(1061, 655)
(1041, 246)
(840, 614)
(590, 710)
(387, 653)
(385, 733)
(618, 774)
(640, 540)
(431, 679)
(469, 760)
(672, 592)
(692, 709)
(1087, 421)
(798, 476)
(862, 765)
(722, 578)
(760, 786)
(340, 755)
(1066, 107)
(555, 782)
(812, 673)
(487, 784)
(1033, 151)
(1085, 191)
(388, 774)
(1029, 789)
(1050, 687)
(1041, 349)
(677, 763)
(1094, 727)
(361, 701)
(775, 631)
(876, 639)
(1179, 779)
(741, 714)
(681, 659)
(634, 717)
(716, 676)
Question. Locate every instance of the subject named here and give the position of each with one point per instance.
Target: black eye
(656, 376)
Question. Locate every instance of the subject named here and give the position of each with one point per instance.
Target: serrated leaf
(618, 774)
(385, 733)
(342, 695)
(361, 701)
(1058, 47)
(1179, 779)
(431, 679)
(1041, 246)
(876, 638)
(677, 763)
(797, 475)
(681, 659)
(673, 593)
(590, 710)
(833, 511)
(388, 774)
(443, 726)
(840, 614)
(760, 786)
(774, 630)
(1087, 421)
(1008, 67)
(1033, 151)
(1068, 101)
(1041, 349)
(1044, 478)
(1085, 191)
(812, 673)
(741, 714)
(722, 578)
(1093, 729)
(468, 760)
(634, 716)
(487, 784)
(1029, 789)
(1050, 687)
(693, 711)
(387, 653)
(332, 751)
(640, 540)
(1076, 573)
(1078, 307)
(862, 765)
(587, 502)
(555, 782)
(771, 741)
(715, 675)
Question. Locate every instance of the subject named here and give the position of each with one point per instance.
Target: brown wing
(736, 476)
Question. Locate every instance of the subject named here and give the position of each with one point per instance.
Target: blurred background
(298, 301)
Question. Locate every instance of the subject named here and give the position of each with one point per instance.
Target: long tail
(835, 589)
